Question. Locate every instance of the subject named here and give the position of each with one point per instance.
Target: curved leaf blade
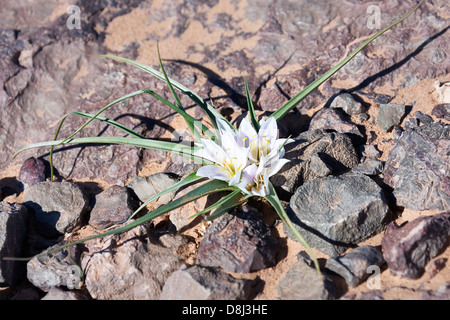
(210, 111)
(226, 207)
(251, 108)
(178, 148)
(110, 122)
(187, 180)
(273, 199)
(217, 204)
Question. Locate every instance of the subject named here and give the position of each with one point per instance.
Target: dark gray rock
(370, 151)
(363, 117)
(303, 282)
(333, 119)
(390, 115)
(58, 206)
(319, 167)
(370, 167)
(13, 230)
(239, 241)
(112, 206)
(17, 84)
(180, 166)
(397, 132)
(407, 249)
(133, 265)
(336, 213)
(146, 187)
(411, 123)
(58, 269)
(423, 118)
(335, 150)
(347, 103)
(354, 265)
(32, 171)
(418, 168)
(202, 283)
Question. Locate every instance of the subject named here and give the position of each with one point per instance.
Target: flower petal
(223, 127)
(275, 167)
(211, 151)
(213, 172)
(246, 132)
(269, 129)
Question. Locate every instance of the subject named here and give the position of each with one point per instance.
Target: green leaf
(98, 113)
(187, 180)
(251, 109)
(299, 97)
(218, 203)
(109, 122)
(188, 120)
(178, 148)
(273, 199)
(191, 121)
(229, 205)
(212, 113)
(86, 123)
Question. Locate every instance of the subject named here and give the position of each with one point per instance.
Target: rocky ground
(368, 184)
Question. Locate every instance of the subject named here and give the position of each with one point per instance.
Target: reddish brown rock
(239, 241)
(407, 249)
(32, 171)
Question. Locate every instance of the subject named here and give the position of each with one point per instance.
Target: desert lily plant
(239, 161)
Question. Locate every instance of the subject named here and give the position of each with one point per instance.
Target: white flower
(262, 144)
(246, 159)
(229, 158)
(255, 179)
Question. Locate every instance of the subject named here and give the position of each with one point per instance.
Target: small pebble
(32, 171)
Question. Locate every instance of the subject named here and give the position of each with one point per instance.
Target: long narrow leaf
(174, 94)
(203, 190)
(102, 110)
(110, 122)
(299, 97)
(276, 204)
(86, 123)
(187, 180)
(251, 108)
(189, 122)
(217, 204)
(207, 108)
(178, 148)
(227, 207)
